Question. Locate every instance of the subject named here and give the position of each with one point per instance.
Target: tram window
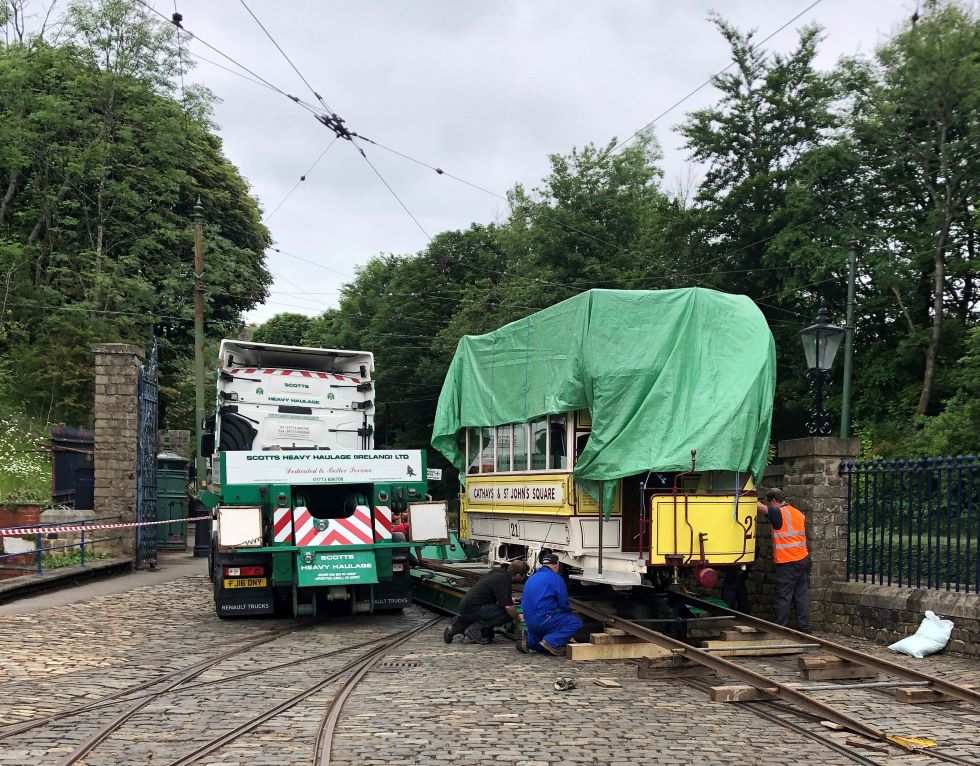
(472, 450)
(520, 446)
(486, 450)
(724, 481)
(559, 448)
(503, 448)
(539, 445)
(581, 439)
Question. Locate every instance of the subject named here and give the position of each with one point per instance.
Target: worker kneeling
(550, 621)
(488, 603)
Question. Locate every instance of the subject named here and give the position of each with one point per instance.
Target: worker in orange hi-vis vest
(791, 559)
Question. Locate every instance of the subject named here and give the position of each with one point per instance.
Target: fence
(914, 523)
(39, 549)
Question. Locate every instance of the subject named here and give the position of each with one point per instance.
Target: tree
(762, 225)
(100, 168)
(284, 329)
(916, 126)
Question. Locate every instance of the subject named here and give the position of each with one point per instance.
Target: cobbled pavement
(462, 704)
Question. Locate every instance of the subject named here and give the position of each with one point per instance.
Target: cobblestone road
(462, 704)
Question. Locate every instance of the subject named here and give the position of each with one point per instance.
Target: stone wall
(176, 441)
(809, 476)
(116, 427)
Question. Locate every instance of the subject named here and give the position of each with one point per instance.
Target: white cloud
(484, 90)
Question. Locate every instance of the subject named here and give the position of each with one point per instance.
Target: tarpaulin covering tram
(663, 372)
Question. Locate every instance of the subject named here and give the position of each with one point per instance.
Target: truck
(301, 502)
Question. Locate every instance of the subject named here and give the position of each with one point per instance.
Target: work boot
(521, 643)
(476, 633)
(557, 651)
(450, 632)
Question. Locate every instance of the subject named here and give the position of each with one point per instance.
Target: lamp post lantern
(820, 344)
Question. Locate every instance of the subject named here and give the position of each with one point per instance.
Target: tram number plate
(514, 532)
(247, 582)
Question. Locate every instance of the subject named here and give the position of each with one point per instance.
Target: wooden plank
(832, 668)
(821, 661)
(739, 693)
(615, 651)
(611, 638)
(839, 673)
(733, 634)
(607, 683)
(736, 648)
(665, 674)
(917, 695)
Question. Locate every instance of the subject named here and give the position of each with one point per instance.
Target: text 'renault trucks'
(302, 503)
(623, 430)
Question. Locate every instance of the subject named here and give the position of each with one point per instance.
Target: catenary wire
(301, 179)
(285, 56)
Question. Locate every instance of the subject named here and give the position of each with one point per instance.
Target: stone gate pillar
(116, 431)
(809, 476)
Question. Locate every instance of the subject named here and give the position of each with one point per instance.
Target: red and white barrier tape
(90, 527)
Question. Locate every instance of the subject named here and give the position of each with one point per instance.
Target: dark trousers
(793, 588)
(490, 615)
(733, 589)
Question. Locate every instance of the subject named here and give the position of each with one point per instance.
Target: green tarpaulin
(662, 372)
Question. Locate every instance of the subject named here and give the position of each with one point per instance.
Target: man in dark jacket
(487, 604)
(550, 621)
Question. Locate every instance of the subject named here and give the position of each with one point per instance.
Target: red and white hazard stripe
(382, 522)
(297, 373)
(282, 525)
(353, 530)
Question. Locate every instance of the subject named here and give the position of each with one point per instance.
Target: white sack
(932, 636)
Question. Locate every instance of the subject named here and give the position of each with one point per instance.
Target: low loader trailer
(302, 505)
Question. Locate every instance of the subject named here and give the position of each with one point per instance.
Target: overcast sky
(485, 90)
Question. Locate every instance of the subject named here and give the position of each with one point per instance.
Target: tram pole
(199, 339)
(845, 408)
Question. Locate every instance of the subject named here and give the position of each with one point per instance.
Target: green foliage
(25, 466)
(283, 329)
(799, 163)
(100, 168)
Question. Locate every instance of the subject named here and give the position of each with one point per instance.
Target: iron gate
(146, 462)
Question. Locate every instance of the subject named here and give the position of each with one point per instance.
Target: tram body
(670, 515)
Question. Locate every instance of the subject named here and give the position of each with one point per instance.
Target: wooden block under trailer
(917, 695)
(615, 651)
(833, 668)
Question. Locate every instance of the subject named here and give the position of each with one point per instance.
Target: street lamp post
(820, 344)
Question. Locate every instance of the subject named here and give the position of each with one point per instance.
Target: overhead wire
(285, 56)
(302, 178)
(711, 79)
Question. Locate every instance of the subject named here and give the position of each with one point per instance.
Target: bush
(25, 466)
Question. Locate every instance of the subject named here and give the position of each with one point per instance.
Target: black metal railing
(914, 523)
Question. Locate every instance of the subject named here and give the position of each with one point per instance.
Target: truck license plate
(246, 582)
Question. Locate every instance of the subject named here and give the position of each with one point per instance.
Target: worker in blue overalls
(550, 621)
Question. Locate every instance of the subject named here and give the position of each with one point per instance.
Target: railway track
(776, 695)
(134, 698)
(123, 695)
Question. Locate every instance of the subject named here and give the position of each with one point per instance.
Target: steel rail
(235, 676)
(294, 700)
(324, 737)
(723, 666)
(768, 715)
(123, 695)
(844, 652)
